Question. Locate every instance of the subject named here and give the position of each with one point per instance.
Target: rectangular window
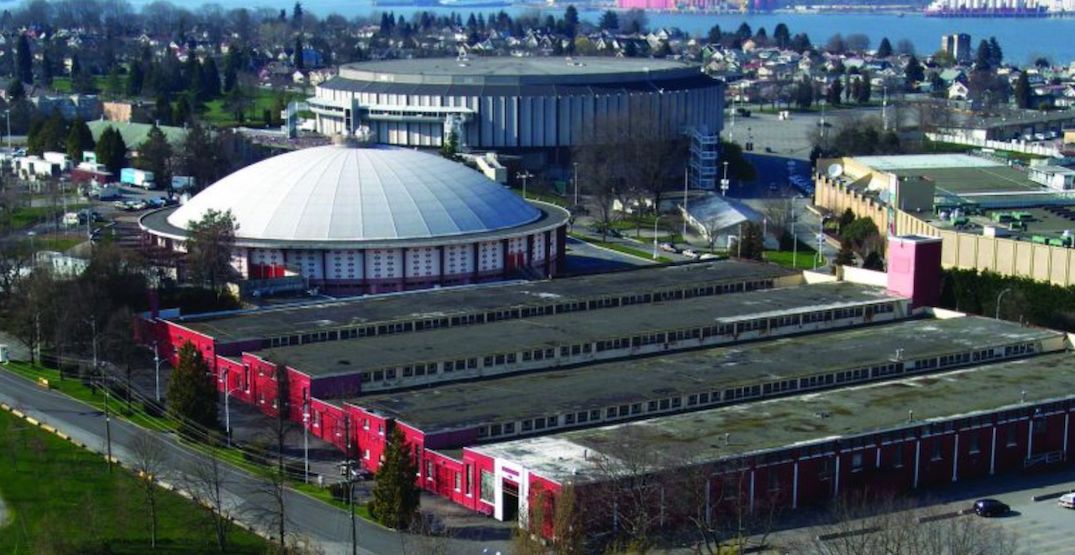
(488, 481)
(974, 444)
(458, 480)
(935, 450)
(1012, 436)
(856, 461)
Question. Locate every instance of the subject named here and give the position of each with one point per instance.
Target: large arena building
(351, 219)
(514, 103)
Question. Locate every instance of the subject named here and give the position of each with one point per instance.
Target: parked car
(1067, 501)
(669, 247)
(689, 253)
(990, 508)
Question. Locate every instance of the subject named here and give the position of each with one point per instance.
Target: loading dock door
(510, 501)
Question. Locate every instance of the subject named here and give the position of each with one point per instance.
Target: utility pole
(350, 483)
(108, 430)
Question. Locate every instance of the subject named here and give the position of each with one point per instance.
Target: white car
(689, 253)
(1067, 501)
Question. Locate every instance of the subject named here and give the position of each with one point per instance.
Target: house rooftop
(509, 336)
(724, 433)
(638, 380)
(438, 303)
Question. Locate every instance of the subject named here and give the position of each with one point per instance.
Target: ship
(985, 8)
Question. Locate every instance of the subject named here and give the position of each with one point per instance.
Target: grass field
(264, 99)
(73, 387)
(803, 260)
(62, 499)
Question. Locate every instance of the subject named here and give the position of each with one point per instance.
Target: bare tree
(205, 481)
(867, 524)
(150, 455)
(426, 535)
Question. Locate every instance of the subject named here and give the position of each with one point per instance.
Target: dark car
(990, 507)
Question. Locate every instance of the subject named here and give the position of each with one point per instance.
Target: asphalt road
(312, 519)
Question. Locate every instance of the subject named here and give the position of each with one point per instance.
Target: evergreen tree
(136, 79)
(211, 79)
(299, 62)
(913, 74)
(24, 60)
(836, 89)
(845, 256)
(395, 494)
(114, 83)
(781, 35)
(983, 56)
(715, 35)
(571, 21)
(162, 110)
(182, 111)
(996, 55)
(296, 14)
(155, 155)
(885, 49)
(753, 244)
(46, 69)
(864, 90)
(231, 72)
(111, 150)
(610, 21)
(79, 139)
(192, 394)
(1021, 91)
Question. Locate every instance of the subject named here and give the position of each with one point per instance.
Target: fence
(1016, 146)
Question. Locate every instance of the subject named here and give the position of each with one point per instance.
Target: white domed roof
(340, 193)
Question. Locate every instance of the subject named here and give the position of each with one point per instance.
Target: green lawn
(73, 387)
(264, 99)
(62, 499)
(63, 84)
(803, 261)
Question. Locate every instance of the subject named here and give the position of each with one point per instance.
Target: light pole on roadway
(655, 220)
(156, 373)
(524, 176)
(996, 315)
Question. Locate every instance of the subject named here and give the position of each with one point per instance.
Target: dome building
(354, 219)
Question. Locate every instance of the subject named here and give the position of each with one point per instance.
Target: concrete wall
(1007, 257)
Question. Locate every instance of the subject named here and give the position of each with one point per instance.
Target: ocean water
(1022, 40)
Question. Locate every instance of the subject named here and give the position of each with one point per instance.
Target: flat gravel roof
(451, 301)
(673, 441)
(351, 356)
(465, 405)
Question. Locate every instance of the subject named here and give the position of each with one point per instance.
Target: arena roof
(344, 194)
(351, 356)
(514, 70)
(674, 441)
(416, 305)
(456, 406)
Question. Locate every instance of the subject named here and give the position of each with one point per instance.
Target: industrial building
(353, 219)
(514, 103)
(689, 365)
(988, 215)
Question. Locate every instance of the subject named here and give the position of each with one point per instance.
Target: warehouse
(341, 368)
(232, 333)
(899, 435)
(355, 220)
(460, 415)
(514, 103)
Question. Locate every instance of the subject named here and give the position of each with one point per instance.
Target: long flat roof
(672, 441)
(599, 385)
(321, 316)
(349, 356)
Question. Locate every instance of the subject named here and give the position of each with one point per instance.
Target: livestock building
(354, 219)
(514, 103)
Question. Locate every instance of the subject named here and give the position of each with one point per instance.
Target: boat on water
(454, 4)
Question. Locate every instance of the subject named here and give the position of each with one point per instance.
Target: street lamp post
(156, 373)
(227, 410)
(524, 176)
(724, 181)
(7, 114)
(655, 220)
(306, 440)
(996, 315)
(576, 180)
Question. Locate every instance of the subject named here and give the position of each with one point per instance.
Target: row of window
(520, 312)
(729, 395)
